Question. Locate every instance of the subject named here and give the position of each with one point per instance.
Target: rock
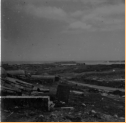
(53, 116)
(62, 102)
(16, 107)
(104, 94)
(71, 108)
(39, 118)
(107, 117)
(94, 114)
(122, 118)
(77, 92)
(83, 104)
(116, 116)
(93, 111)
(6, 110)
(79, 114)
(51, 105)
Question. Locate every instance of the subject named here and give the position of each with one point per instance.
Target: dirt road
(96, 86)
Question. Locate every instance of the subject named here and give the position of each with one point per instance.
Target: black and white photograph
(62, 61)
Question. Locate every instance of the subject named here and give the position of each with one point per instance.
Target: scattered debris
(71, 108)
(39, 118)
(122, 118)
(64, 103)
(93, 111)
(107, 117)
(95, 114)
(116, 116)
(76, 92)
(51, 105)
(104, 94)
(83, 104)
(10, 114)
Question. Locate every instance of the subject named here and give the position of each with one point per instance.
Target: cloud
(46, 12)
(114, 21)
(103, 14)
(77, 13)
(94, 2)
(80, 25)
(115, 27)
(107, 16)
(106, 11)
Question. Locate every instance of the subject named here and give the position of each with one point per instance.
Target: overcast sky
(51, 30)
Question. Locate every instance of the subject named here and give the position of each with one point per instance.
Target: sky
(62, 30)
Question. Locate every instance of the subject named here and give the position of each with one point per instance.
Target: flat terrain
(97, 93)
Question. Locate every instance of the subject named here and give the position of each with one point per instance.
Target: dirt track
(97, 87)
